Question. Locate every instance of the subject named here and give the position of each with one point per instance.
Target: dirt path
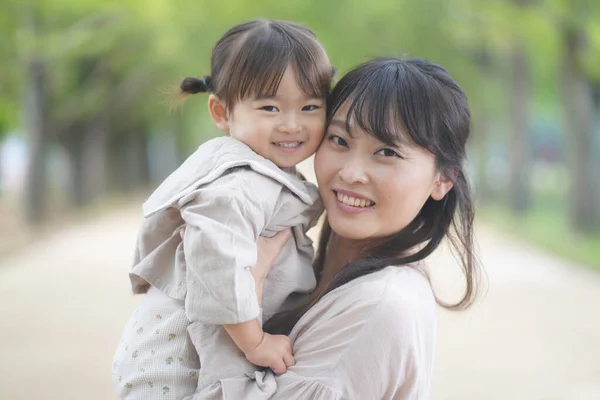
(533, 336)
(64, 302)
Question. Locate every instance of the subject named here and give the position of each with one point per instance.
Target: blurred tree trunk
(96, 134)
(73, 142)
(128, 160)
(86, 134)
(117, 162)
(481, 58)
(482, 188)
(95, 146)
(37, 126)
(139, 171)
(519, 187)
(145, 176)
(579, 112)
(85, 144)
(86, 154)
(182, 148)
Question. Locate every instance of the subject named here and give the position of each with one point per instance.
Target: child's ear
(218, 113)
(441, 187)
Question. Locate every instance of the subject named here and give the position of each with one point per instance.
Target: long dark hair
(386, 96)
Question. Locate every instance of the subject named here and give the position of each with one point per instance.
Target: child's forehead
(279, 77)
(289, 87)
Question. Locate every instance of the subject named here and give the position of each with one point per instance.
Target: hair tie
(208, 83)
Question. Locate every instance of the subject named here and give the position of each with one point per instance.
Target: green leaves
(170, 40)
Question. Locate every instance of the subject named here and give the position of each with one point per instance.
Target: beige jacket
(226, 195)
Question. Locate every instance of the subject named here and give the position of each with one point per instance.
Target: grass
(546, 226)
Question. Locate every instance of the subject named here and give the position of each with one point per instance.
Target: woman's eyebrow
(341, 123)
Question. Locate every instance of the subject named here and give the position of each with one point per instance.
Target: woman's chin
(348, 229)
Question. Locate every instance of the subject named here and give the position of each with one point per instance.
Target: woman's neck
(339, 253)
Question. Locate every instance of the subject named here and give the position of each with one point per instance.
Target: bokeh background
(85, 134)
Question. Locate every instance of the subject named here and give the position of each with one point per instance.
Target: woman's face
(371, 190)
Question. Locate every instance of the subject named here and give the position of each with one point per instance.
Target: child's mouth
(288, 147)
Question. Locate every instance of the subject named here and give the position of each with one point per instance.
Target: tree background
(84, 125)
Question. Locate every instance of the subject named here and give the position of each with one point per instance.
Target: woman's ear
(442, 186)
(218, 112)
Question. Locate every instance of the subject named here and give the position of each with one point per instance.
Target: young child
(268, 87)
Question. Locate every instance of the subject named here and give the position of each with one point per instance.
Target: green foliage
(118, 57)
(121, 55)
(160, 41)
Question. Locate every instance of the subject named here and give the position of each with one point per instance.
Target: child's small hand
(274, 351)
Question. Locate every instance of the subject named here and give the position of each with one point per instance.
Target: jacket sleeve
(222, 226)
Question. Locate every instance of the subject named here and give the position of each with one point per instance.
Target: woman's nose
(354, 171)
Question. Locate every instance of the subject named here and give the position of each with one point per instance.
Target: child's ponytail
(191, 85)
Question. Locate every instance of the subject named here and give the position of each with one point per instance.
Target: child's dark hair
(251, 58)
(419, 100)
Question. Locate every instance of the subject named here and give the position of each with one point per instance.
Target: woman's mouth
(352, 203)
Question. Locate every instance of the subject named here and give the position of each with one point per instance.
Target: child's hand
(274, 351)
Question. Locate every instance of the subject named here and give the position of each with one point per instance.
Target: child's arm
(273, 351)
(260, 348)
(220, 248)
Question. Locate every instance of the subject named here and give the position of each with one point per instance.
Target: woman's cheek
(322, 166)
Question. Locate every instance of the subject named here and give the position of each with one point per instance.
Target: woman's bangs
(375, 113)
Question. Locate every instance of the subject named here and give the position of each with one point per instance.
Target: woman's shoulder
(374, 335)
(396, 296)
(393, 285)
(399, 298)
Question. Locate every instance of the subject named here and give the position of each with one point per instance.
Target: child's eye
(338, 141)
(311, 107)
(387, 152)
(269, 108)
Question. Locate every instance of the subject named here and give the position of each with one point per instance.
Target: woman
(390, 173)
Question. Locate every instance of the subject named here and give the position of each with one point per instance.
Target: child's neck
(289, 170)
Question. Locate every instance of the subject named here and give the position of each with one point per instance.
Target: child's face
(285, 129)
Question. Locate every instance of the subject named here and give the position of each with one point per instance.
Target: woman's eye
(269, 108)
(311, 107)
(387, 152)
(338, 141)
